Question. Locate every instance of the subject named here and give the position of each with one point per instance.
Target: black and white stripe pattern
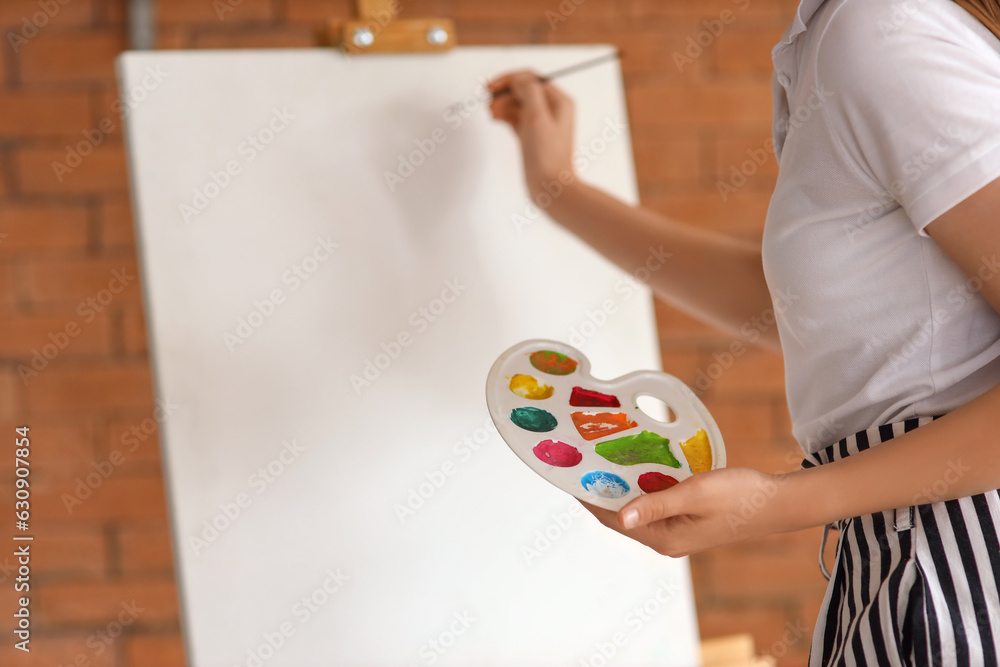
(913, 586)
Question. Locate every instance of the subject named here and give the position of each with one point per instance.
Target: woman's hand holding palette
(588, 436)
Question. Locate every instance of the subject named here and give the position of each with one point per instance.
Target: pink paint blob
(557, 453)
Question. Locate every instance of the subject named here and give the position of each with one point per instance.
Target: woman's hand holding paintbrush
(542, 117)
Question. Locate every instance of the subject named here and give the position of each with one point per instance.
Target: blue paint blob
(605, 484)
(533, 419)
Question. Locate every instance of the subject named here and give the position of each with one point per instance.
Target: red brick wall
(61, 242)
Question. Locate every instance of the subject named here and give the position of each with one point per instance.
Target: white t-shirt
(887, 114)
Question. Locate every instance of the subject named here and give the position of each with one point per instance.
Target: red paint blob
(557, 453)
(655, 481)
(588, 398)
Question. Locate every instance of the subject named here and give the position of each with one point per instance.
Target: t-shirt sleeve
(914, 103)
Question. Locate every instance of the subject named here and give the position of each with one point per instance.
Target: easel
(376, 30)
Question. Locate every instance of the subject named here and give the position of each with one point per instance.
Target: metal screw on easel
(377, 29)
(437, 35)
(363, 37)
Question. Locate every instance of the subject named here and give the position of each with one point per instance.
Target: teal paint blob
(533, 419)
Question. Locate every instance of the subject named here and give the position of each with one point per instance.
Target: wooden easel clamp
(376, 30)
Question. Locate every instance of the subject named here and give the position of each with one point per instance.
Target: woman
(884, 229)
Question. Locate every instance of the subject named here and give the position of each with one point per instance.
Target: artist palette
(588, 436)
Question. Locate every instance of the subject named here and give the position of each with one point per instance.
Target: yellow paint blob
(526, 386)
(698, 452)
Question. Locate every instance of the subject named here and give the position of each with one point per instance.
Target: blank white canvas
(488, 564)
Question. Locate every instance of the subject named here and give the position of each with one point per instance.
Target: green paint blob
(644, 447)
(533, 419)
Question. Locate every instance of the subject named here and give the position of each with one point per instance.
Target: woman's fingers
(530, 106)
(501, 81)
(519, 95)
(505, 108)
(528, 91)
(704, 511)
(559, 102)
(651, 507)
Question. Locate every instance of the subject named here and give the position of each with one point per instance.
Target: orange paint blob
(592, 426)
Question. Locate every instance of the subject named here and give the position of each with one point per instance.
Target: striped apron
(913, 586)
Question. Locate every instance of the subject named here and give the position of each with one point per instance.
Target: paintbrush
(560, 72)
(566, 70)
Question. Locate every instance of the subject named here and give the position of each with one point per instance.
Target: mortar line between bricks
(94, 205)
(117, 333)
(708, 141)
(113, 546)
(97, 90)
(13, 186)
(100, 432)
(59, 141)
(12, 74)
(278, 13)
